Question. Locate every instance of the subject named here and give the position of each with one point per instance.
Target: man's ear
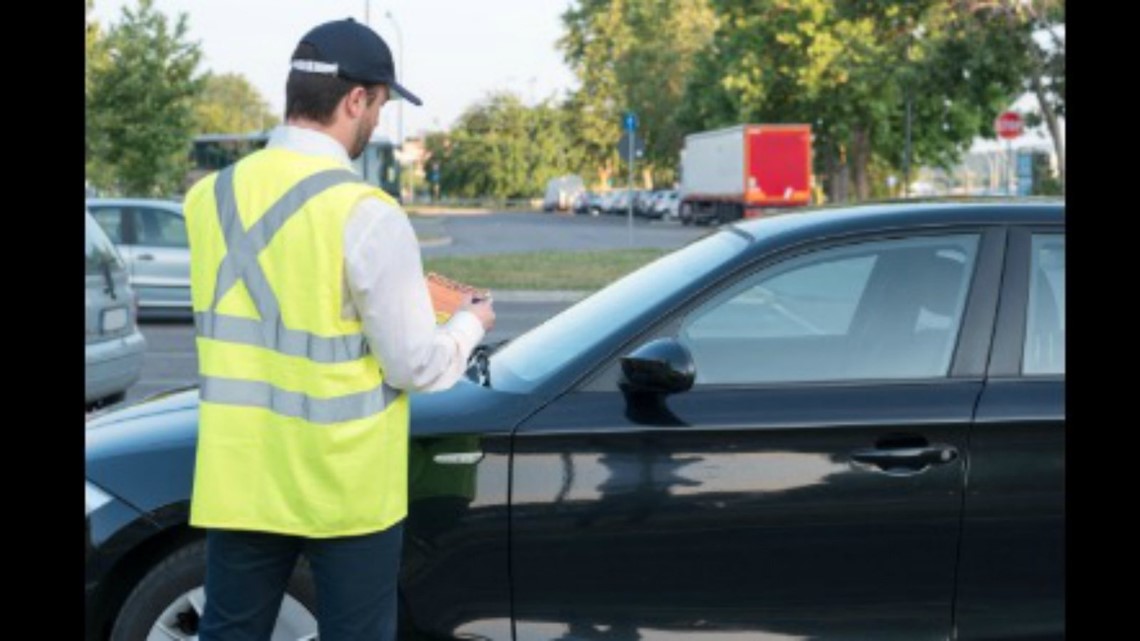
(355, 102)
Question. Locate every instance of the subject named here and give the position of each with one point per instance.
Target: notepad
(447, 295)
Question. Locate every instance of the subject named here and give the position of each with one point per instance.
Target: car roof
(843, 219)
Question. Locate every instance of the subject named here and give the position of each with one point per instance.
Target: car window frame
(137, 224)
(126, 220)
(1013, 308)
(124, 215)
(974, 337)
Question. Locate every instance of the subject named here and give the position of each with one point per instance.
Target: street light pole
(400, 104)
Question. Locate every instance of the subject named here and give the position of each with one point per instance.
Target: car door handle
(906, 460)
(145, 257)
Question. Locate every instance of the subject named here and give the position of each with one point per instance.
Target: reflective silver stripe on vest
(230, 391)
(243, 247)
(275, 336)
(240, 258)
(240, 265)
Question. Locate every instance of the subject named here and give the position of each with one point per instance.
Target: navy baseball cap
(352, 51)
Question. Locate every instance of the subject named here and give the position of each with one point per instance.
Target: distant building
(988, 168)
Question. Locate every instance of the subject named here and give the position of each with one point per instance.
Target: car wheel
(168, 603)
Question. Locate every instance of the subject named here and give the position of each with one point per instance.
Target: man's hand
(483, 310)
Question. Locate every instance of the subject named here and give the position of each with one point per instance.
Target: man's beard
(360, 141)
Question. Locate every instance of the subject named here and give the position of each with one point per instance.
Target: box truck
(744, 171)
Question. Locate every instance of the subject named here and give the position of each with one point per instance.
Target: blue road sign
(630, 121)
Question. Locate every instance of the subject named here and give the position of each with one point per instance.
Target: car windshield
(100, 251)
(527, 361)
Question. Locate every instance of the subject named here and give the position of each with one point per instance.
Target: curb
(537, 296)
(436, 242)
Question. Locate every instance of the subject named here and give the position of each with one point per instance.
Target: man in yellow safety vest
(313, 322)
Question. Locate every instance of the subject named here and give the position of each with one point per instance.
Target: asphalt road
(530, 232)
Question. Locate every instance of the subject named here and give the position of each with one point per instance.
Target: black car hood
(144, 453)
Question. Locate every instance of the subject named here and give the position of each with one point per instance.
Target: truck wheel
(729, 214)
(686, 214)
(168, 602)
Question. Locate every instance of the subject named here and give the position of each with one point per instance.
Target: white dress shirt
(384, 286)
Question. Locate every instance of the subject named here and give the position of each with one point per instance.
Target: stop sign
(1009, 125)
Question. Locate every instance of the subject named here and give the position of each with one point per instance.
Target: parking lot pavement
(526, 232)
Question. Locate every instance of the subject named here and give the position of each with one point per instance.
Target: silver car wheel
(179, 621)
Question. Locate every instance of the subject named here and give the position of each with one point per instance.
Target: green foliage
(229, 103)
(849, 68)
(140, 110)
(1036, 47)
(633, 55)
(93, 144)
(544, 270)
(502, 148)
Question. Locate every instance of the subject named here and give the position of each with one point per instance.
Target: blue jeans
(355, 576)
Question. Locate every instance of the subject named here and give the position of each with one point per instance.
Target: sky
(455, 52)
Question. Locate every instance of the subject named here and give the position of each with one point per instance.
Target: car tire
(171, 592)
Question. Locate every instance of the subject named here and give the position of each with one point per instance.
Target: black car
(840, 424)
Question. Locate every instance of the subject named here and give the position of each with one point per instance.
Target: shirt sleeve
(384, 276)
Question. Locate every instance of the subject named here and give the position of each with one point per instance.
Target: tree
(850, 68)
(1039, 49)
(141, 107)
(231, 104)
(504, 149)
(96, 61)
(633, 55)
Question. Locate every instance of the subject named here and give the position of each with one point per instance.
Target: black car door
(809, 485)
(1012, 578)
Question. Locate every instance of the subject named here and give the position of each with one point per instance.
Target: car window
(100, 251)
(883, 309)
(1044, 351)
(158, 228)
(529, 359)
(111, 220)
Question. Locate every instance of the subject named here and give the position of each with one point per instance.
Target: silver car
(150, 235)
(114, 344)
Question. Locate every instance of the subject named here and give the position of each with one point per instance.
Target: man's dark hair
(314, 96)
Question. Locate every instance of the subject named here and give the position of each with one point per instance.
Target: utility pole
(630, 217)
(402, 79)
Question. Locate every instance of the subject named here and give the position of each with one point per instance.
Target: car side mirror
(661, 366)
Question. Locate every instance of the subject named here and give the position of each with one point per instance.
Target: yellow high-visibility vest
(298, 434)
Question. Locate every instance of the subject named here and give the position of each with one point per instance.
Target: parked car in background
(561, 193)
(841, 424)
(619, 202)
(667, 204)
(114, 344)
(150, 234)
(588, 203)
(643, 202)
(605, 201)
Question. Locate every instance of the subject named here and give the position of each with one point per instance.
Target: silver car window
(1044, 350)
(100, 250)
(158, 228)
